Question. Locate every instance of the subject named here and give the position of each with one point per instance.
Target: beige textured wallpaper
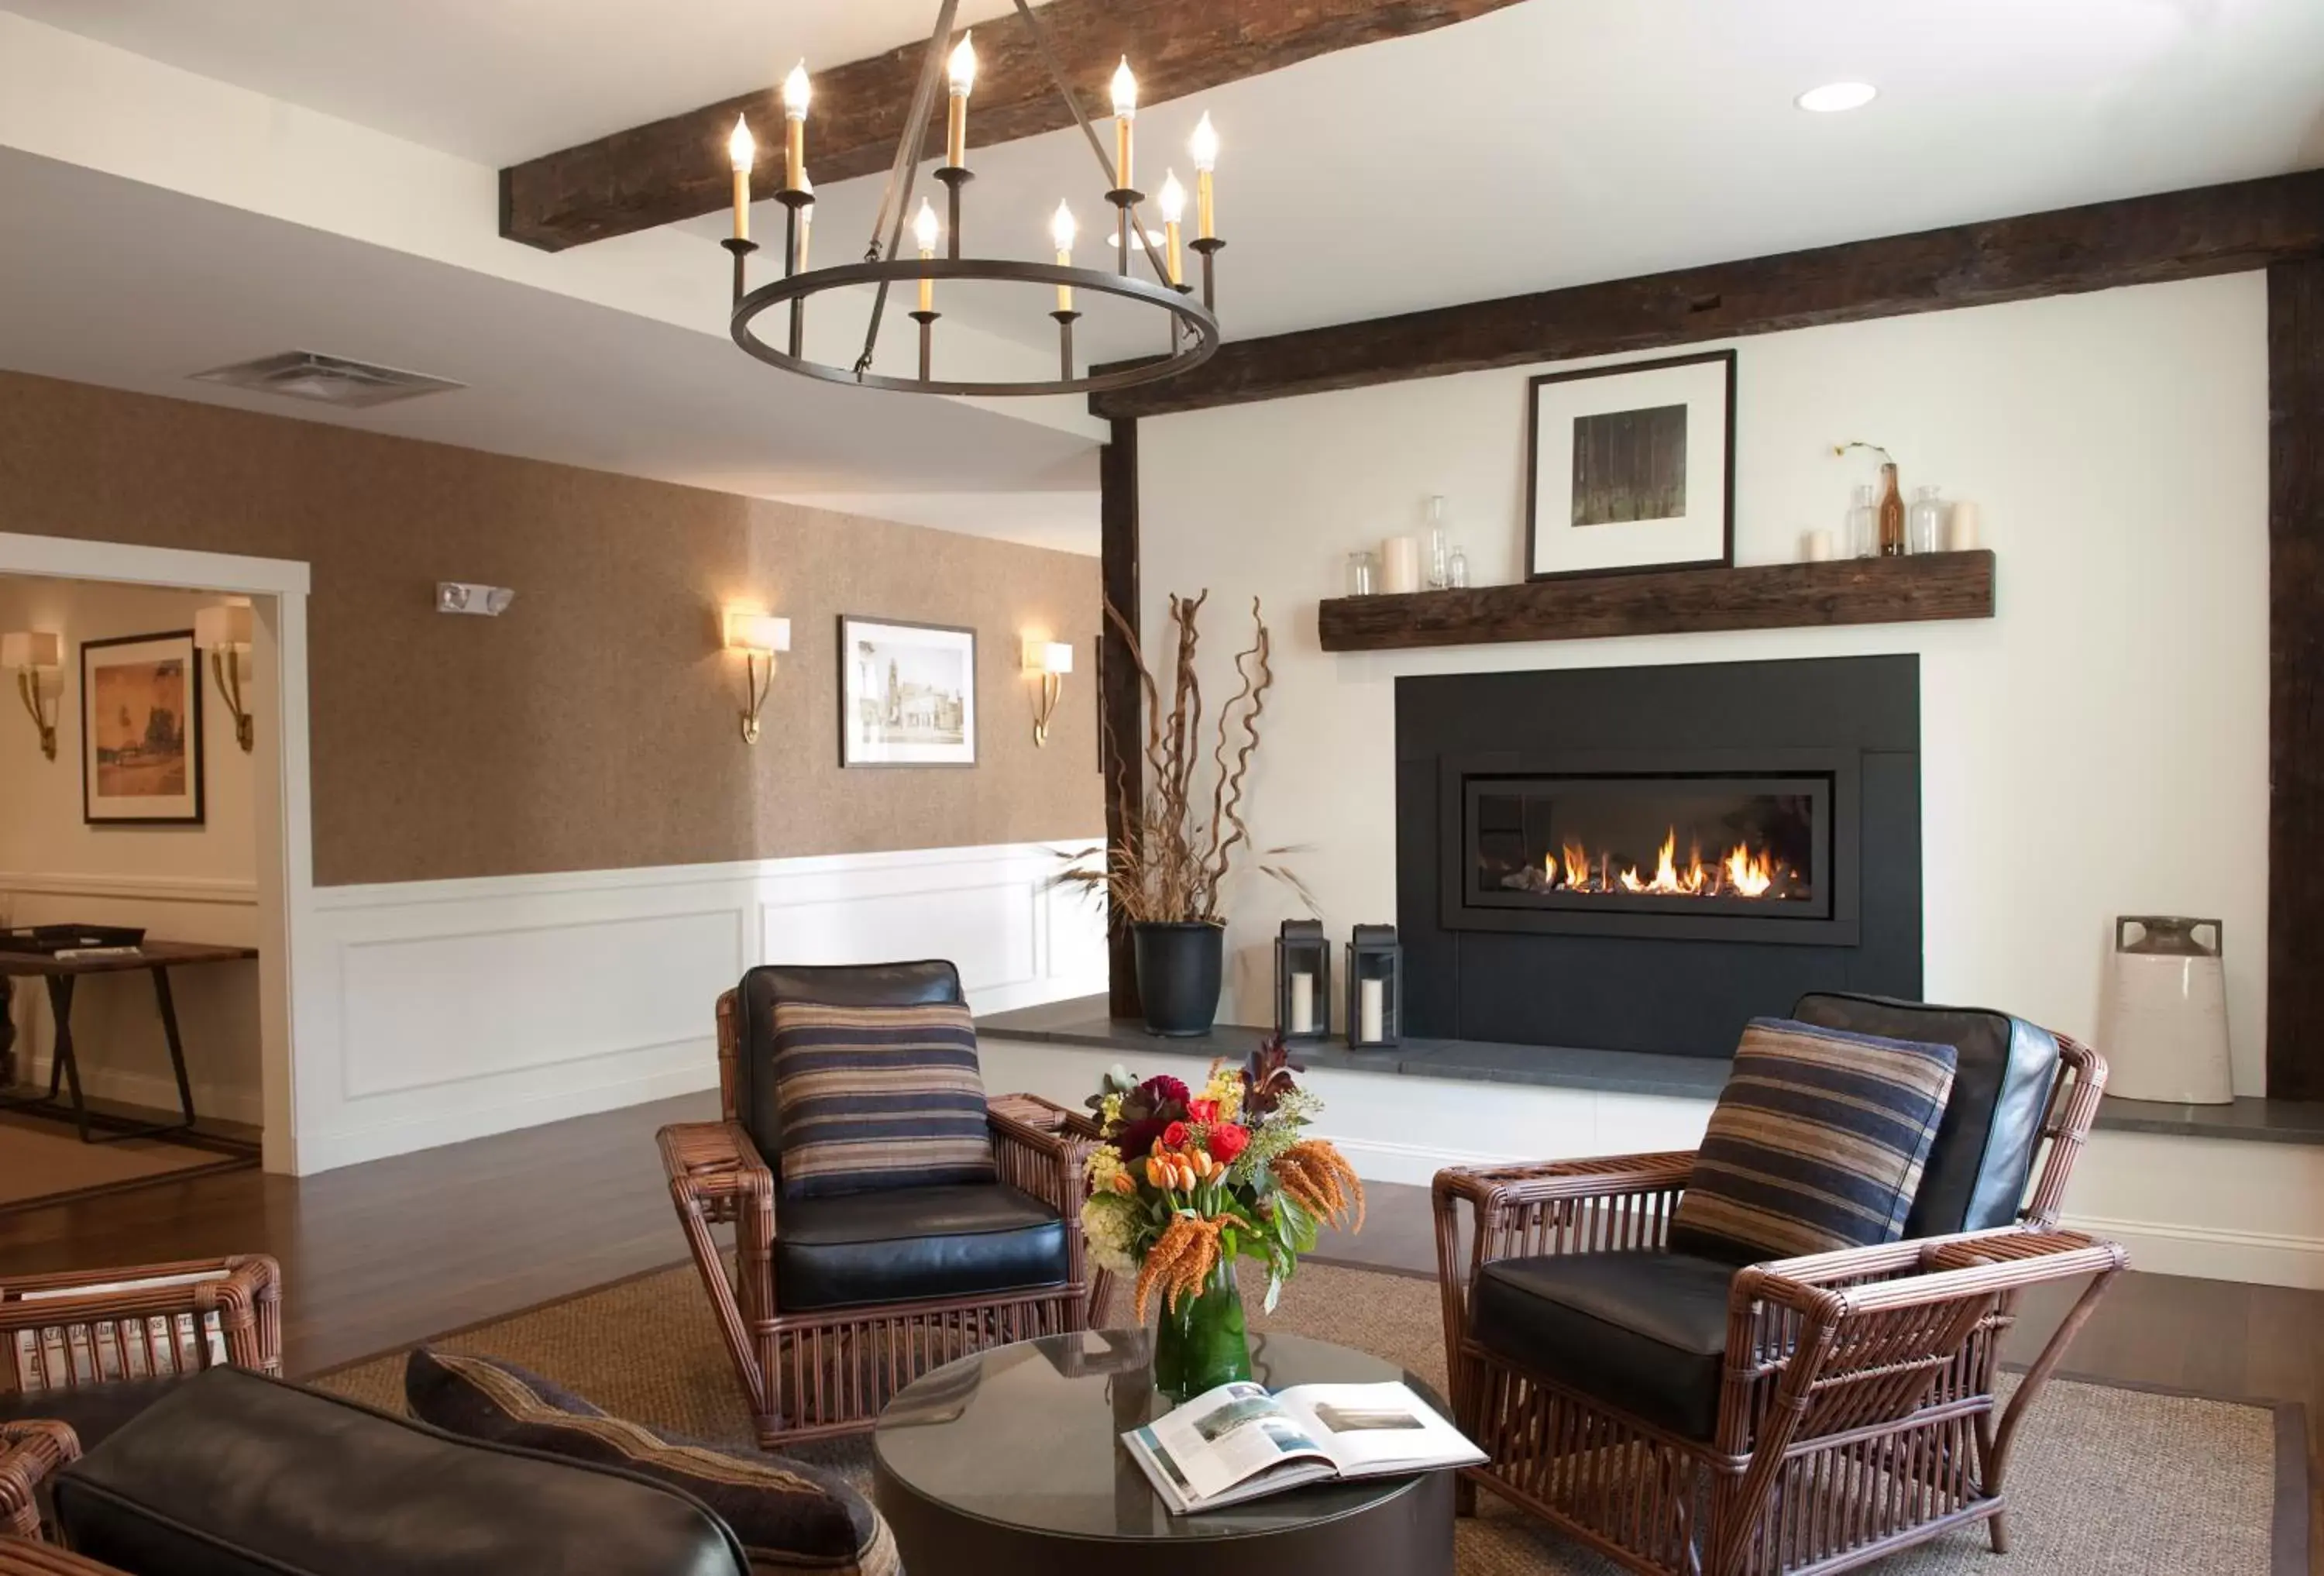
(593, 725)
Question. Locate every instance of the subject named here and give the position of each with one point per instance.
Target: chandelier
(1192, 325)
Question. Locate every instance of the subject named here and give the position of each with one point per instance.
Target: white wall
(185, 883)
(433, 1012)
(2099, 748)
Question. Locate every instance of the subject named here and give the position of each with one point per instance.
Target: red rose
(1202, 1111)
(1174, 1136)
(1227, 1142)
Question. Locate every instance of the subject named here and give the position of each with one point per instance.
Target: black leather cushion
(92, 1411)
(917, 984)
(916, 1242)
(1975, 1177)
(787, 1515)
(1644, 1332)
(233, 1473)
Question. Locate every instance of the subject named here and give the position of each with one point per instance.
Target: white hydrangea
(1107, 1226)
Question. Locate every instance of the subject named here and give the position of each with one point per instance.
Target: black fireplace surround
(1642, 859)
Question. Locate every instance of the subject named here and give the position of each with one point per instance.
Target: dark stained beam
(2182, 235)
(2295, 837)
(675, 168)
(1121, 708)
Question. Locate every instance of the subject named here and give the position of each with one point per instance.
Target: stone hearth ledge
(1082, 1021)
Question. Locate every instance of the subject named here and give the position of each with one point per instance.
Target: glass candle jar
(1363, 573)
(1924, 522)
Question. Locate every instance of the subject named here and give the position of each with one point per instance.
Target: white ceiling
(549, 377)
(1554, 142)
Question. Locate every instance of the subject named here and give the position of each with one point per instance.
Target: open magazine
(1240, 1442)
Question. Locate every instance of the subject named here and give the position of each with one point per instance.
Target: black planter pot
(1178, 969)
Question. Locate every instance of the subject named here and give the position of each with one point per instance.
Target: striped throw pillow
(878, 1097)
(1817, 1143)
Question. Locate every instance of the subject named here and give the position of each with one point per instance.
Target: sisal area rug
(2106, 1479)
(45, 1162)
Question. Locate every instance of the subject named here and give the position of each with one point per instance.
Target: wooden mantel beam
(675, 168)
(2182, 234)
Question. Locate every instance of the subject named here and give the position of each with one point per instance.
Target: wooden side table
(156, 958)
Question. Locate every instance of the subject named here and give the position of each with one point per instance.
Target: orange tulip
(1124, 1184)
(1158, 1172)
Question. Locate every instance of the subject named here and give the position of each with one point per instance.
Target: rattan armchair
(827, 1371)
(19, 1558)
(1855, 1412)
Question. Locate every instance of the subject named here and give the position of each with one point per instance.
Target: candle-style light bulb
(1205, 147)
(924, 231)
(1173, 203)
(1125, 110)
(962, 70)
(742, 152)
(796, 93)
(1062, 230)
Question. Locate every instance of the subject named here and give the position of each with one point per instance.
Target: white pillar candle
(1815, 547)
(1369, 994)
(1302, 1003)
(1960, 528)
(1400, 565)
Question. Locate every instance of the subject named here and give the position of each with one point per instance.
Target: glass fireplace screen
(1692, 844)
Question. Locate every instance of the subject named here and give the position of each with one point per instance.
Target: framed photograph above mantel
(1631, 467)
(907, 694)
(141, 731)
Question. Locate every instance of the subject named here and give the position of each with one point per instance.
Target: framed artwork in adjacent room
(141, 731)
(1631, 467)
(907, 694)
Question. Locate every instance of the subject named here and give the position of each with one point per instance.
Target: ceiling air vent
(327, 380)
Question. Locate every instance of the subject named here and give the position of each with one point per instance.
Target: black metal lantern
(1374, 988)
(1303, 981)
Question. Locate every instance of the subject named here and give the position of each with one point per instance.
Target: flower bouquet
(1183, 1184)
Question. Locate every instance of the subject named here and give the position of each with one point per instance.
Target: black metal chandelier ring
(1195, 331)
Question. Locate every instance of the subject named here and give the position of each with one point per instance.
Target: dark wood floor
(379, 1255)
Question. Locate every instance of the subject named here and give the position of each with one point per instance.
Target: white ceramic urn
(2165, 1031)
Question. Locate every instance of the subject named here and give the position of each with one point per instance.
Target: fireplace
(1569, 875)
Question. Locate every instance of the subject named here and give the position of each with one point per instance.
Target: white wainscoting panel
(442, 1010)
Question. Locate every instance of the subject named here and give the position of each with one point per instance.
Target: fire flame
(1740, 873)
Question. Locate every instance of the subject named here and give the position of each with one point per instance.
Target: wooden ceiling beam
(675, 168)
(2182, 234)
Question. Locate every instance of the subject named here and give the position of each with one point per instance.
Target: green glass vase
(1202, 1344)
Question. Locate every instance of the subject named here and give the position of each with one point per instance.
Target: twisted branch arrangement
(1178, 843)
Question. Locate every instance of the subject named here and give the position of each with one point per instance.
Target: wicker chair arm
(1041, 1147)
(1854, 1282)
(716, 1171)
(20, 1558)
(30, 1451)
(244, 1291)
(1493, 1188)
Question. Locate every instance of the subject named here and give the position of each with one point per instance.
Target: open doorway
(147, 749)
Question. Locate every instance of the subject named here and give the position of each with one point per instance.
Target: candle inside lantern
(1371, 1018)
(963, 71)
(742, 152)
(1173, 203)
(1060, 231)
(924, 230)
(1205, 147)
(796, 93)
(1302, 1003)
(1125, 110)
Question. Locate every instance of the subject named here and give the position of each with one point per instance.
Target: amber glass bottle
(1892, 514)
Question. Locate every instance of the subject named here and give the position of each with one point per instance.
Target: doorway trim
(283, 800)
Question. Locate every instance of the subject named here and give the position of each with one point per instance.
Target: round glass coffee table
(1011, 1462)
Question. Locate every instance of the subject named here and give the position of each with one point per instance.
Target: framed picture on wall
(907, 694)
(1631, 467)
(141, 731)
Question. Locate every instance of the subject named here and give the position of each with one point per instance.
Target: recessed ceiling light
(1834, 96)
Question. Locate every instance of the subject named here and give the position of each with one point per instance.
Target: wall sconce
(759, 636)
(224, 631)
(1052, 660)
(37, 657)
